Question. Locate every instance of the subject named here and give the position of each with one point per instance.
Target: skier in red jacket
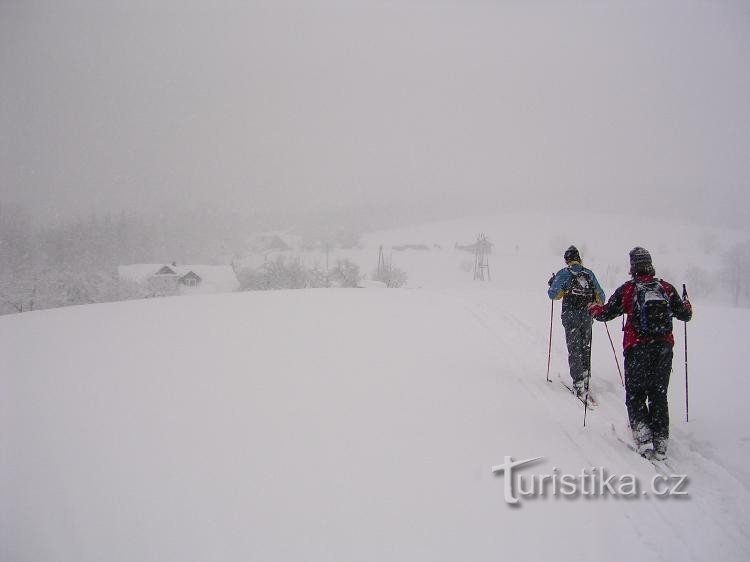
(650, 304)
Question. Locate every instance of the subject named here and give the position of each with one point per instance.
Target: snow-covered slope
(349, 425)
(530, 245)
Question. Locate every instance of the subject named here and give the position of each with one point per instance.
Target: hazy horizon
(422, 110)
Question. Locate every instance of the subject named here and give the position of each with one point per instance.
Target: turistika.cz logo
(595, 482)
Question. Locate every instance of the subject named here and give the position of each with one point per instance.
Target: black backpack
(651, 310)
(581, 289)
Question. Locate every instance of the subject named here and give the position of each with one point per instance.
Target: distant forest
(76, 262)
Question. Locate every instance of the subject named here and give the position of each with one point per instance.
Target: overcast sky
(432, 106)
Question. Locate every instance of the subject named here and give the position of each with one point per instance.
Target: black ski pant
(647, 370)
(577, 324)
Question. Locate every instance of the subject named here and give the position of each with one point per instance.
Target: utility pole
(384, 267)
(482, 250)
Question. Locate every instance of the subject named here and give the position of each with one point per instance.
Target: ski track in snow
(725, 493)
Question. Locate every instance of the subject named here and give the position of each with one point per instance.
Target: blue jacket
(564, 279)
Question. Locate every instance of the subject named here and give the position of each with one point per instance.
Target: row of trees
(291, 273)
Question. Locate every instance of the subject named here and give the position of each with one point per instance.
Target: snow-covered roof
(214, 278)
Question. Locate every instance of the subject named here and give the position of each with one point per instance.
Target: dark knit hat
(572, 254)
(640, 261)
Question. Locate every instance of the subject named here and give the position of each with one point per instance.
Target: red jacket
(622, 301)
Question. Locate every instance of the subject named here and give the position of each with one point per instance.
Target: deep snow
(351, 425)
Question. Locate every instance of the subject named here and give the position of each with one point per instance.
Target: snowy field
(363, 424)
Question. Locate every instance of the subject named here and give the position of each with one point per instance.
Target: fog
(166, 164)
(398, 111)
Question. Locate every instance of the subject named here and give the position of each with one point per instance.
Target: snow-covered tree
(345, 274)
(736, 271)
(281, 273)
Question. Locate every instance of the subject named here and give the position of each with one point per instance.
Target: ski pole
(687, 409)
(617, 362)
(549, 353)
(586, 402)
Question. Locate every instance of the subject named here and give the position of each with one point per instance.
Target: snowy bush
(393, 277)
(274, 274)
(283, 273)
(317, 277)
(345, 274)
(252, 279)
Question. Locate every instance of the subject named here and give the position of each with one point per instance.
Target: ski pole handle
(684, 292)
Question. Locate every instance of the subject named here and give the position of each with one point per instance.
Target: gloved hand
(551, 280)
(594, 309)
(688, 306)
(685, 299)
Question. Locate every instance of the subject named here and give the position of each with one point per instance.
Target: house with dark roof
(171, 279)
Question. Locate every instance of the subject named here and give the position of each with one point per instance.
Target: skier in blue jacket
(578, 287)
